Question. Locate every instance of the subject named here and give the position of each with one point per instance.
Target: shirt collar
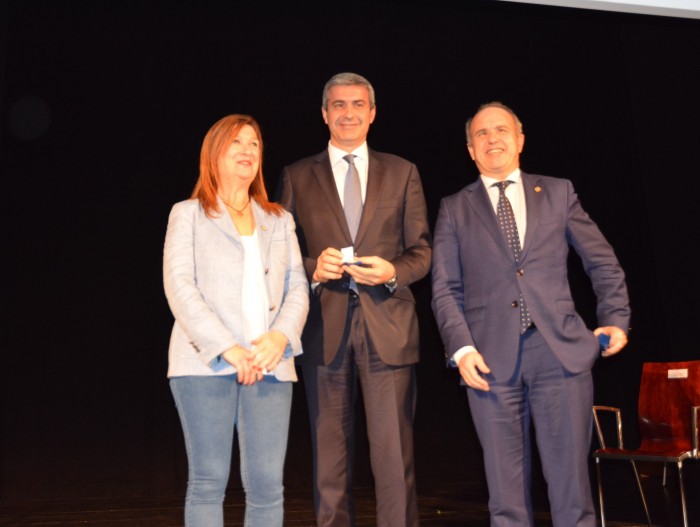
(336, 154)
(513, 176)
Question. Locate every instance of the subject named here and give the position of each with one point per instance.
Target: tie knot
(502, 185)
(350, 158)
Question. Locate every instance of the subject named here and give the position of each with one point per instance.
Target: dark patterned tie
(352, 196)
(506, 219)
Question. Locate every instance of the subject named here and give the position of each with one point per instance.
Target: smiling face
(496, 142)
(241, 159)
(348, 116)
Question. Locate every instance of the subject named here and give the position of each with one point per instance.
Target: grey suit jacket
(394, 226)
(475, 281)
(202, 276)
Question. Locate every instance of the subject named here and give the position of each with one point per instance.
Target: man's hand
(470, 367)
(373, 271)
(329, 266)
(618, 339)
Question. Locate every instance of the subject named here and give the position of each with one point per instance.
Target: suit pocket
(475, 314)
(566, 307)
(402, 294)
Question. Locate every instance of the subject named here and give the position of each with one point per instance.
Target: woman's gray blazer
(202, 277)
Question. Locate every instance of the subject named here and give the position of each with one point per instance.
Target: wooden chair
(668, 416)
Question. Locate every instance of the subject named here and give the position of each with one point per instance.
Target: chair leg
(680, 483)
(641, 492)
(663, 480)
(600, 493)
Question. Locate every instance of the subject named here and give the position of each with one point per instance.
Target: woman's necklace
(238, 211)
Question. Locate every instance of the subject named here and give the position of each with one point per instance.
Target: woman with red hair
(235, 284)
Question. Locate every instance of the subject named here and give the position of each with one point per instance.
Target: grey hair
(494, 104)
(347, 79)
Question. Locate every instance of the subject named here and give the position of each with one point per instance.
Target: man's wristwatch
(391, 283)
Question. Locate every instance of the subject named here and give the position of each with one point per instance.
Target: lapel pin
(263, 227)
(538, 189)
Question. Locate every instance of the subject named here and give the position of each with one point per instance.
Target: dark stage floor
(448, 505)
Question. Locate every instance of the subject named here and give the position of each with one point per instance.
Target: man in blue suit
(508, 321)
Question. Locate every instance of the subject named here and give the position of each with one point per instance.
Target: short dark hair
(347, 79)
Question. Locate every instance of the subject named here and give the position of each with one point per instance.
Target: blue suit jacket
(476, 283)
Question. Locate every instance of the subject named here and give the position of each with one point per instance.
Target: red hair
(216, 142)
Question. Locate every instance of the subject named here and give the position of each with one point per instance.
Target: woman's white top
(253, 294)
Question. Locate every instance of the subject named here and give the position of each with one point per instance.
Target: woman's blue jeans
(210, 407)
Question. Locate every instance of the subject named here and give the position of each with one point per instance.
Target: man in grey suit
(362, 323)
(504, 309)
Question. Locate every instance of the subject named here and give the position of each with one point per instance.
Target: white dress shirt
(516, 196)
(340, 167)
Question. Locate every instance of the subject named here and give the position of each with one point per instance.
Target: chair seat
(666, 451)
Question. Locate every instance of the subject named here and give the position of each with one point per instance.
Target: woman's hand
(242, 359)
(268, 350)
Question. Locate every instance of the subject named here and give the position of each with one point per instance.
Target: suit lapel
(478, 198)
(224, 222)
(533, 189)
(264, 227)
(326, 184)
(376, 175)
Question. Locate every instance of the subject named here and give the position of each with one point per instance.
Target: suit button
(267, 270)
(514, 304)
(521, 272)
(272, 307)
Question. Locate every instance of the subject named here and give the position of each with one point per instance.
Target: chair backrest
(667, 392)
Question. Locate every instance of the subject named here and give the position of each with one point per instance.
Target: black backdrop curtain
(104, 107)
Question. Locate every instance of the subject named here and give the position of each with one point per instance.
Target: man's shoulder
(387, 158)
(466, 189)
(304, 162)
(540, 178)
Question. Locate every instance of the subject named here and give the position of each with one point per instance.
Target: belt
(353, 298)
